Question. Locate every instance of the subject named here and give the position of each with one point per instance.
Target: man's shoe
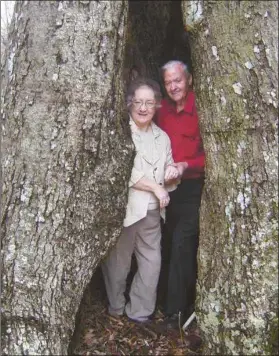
(177, 322)
(173, 322)
(168, 324)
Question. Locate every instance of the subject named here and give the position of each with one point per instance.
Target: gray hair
(173, 63)
(143, 82)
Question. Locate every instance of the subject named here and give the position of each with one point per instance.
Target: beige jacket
(138, 200)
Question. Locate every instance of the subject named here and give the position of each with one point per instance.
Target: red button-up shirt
(183, 130)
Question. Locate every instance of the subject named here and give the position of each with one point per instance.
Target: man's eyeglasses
(148, 104)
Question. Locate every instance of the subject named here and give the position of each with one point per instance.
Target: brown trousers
(142, 238)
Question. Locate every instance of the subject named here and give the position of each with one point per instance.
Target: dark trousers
(180, 244)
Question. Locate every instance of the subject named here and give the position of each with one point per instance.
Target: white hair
(173, 63)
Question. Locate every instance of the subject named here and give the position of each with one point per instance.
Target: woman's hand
(171, 173)
(162, 195)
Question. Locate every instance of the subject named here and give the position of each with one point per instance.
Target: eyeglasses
(148, 104)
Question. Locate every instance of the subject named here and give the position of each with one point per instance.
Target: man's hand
(162, 195)
(181, 167)
(171, 173)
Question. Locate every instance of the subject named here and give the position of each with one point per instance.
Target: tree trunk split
(67, 155)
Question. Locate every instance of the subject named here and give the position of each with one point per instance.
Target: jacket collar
(145, 154)
(135, 130)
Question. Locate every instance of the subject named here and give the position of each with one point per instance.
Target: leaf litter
(98, 333)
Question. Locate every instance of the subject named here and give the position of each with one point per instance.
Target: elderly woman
(148, 196)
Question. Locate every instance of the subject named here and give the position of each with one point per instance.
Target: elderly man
(178, 118)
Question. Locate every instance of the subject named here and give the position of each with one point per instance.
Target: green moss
(272, 347)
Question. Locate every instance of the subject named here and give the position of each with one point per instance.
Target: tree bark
(234, 47)
(66, 158)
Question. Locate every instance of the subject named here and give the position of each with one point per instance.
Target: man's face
(177, 83)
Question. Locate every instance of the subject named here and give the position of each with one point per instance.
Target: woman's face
(143, 106)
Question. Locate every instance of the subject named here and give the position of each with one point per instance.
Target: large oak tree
(66, 158)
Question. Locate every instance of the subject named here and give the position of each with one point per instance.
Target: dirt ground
(98, 333)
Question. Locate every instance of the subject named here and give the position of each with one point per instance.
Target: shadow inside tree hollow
(156, 34)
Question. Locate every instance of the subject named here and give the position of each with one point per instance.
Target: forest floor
(98, 333)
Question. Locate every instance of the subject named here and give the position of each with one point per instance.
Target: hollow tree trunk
(66, 161)
(234, 47)
(155, 35)
(146, 35)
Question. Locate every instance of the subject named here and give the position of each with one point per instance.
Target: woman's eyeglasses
(148, 104)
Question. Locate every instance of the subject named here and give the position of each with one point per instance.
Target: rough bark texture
(234, 47)
(66, 160)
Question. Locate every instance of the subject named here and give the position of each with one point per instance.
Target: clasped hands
(172, 174)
